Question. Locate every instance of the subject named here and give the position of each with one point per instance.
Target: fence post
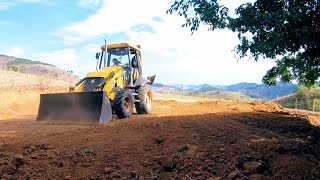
(296, 103)
(314, 104)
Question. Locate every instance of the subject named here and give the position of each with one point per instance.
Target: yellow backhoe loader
(115, 87)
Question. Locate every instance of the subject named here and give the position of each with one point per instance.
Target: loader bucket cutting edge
(79, 107)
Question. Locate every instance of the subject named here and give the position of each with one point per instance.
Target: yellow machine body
(115, 75)
(91, 98)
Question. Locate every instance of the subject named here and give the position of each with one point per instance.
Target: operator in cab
(116, 62)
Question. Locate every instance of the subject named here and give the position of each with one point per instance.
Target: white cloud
(89, 3)
(114, 16)
(92, 48)
(14, 51)
(6, 5)
(80, 62)
(65, 58)
(169, 50)
(205, 57)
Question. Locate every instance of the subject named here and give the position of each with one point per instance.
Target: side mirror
(97, 55)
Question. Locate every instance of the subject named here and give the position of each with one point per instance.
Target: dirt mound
(195, 140)
(22, 100)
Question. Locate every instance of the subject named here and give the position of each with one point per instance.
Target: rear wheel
(145, 100)
(123, 104)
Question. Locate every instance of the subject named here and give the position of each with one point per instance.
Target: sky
(67, 34)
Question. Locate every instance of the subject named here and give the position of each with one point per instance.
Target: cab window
(118, 57)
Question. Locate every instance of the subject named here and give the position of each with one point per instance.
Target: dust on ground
(179, 140)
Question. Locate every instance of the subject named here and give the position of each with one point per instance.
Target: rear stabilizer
(93, 107)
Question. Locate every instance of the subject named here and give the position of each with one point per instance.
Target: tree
(13, 68)
(285, 30)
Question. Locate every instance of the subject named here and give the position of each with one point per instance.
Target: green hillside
(20, 61)
(22, 65)
(304, 98)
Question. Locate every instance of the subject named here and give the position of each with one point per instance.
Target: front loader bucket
(92, 107)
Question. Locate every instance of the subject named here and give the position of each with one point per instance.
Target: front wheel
(123, 104)
(145, 100)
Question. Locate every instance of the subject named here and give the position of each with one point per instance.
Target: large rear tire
(145, 100)
(123, 104)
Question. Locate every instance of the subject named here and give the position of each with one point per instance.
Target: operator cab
(123, 55)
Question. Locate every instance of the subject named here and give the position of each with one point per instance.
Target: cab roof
(121, 45)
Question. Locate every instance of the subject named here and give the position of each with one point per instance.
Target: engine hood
(104, 72)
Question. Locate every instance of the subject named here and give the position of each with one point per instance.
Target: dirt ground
(179, 140)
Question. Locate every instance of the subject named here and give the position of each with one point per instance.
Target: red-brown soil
(179, 140)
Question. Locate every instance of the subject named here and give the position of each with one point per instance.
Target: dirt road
(179, 140)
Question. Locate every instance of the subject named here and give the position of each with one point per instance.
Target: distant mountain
(6, 59)
(159, 85)
(21, 61)
(241, 86)
(263, 91)
(178, 86)
(34, 67)
(203, 88)
(252, 90)
(162, 88)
